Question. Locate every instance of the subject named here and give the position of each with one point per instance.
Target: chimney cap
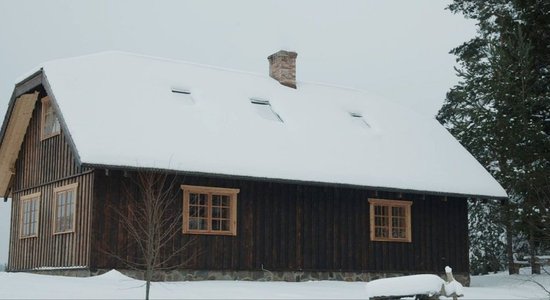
(291, 54)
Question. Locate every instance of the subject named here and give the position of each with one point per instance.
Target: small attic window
(183, 95)
(49, 122)
(264, 109)
(358, 119)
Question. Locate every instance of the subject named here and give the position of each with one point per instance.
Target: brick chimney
(282, 67)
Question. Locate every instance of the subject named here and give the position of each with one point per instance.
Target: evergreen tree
(500, 110)
(488, 238)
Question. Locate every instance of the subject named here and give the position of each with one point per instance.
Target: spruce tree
(500, 111)
(488, 240)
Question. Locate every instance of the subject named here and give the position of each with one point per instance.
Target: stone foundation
(63, 272)
(289, 276)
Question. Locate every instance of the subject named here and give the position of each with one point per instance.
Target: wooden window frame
(46, 104)
(64, 188)
(232, 193)
(391, 203)
(24, 199)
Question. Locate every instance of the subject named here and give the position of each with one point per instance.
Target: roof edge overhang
(292, 181)
(30, 83)
(64, 127)
(21, 88)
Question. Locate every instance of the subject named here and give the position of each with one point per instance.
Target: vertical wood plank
(40, 166)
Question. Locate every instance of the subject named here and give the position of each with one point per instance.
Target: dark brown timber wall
(292, 227)
(41, 166)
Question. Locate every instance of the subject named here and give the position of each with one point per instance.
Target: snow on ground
(503, 286)
(114, 285)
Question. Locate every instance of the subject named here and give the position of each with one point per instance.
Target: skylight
(358, 119)
(264, 109)
(183, 95)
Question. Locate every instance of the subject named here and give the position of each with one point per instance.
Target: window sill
(45, 137)
(226, 233)
(63, 232)
(392, 240)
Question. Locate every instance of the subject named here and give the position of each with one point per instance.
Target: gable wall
(41, 162)
(41, 166)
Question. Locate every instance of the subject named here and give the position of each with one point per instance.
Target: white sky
(397, 49)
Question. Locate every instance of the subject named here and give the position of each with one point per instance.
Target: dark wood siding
(46, 161)
(285, 226)
(41, 166)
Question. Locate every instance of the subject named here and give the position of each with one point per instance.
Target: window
(263, 108)
(50, 122)
(209, 210)
(30, 211)
(358, 119)
(64, 208)
(390, 220)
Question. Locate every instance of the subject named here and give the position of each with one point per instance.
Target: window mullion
(209, 212)
(390, 223)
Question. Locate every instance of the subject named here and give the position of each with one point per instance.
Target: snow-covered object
(425, 284)
(120, 110)
(453, 288)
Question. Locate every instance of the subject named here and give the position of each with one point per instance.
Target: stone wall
(193, 275)
(63, 272)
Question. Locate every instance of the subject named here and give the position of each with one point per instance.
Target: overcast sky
(396, 49)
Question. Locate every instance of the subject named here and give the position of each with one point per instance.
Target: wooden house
(314, 181)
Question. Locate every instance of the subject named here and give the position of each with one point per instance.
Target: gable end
(14, 127)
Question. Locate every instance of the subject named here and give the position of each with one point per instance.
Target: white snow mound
(112, 275)
(405, 286)
(454, 287)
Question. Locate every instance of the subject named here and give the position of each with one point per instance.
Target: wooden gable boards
(13, 137)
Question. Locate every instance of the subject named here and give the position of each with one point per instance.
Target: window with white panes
(30, 212)
(64, 208)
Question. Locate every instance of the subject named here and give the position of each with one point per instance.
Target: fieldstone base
(62, 272)
(289, 276)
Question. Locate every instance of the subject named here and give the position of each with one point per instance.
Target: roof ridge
(203, 65)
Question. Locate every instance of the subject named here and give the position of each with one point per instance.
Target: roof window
(184, 95)
(358, 119)
(264, 109)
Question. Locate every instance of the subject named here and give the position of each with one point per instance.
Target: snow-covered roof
(120, 110)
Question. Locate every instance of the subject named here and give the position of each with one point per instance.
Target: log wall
(41, 166)
(295, 227)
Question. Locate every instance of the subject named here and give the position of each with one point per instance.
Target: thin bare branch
(152, 220)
